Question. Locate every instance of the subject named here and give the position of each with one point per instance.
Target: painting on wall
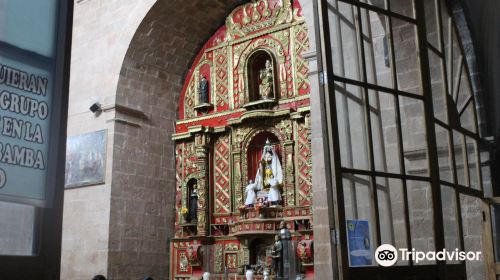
(85, 159)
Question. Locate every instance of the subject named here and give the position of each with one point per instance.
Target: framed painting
(85, 159)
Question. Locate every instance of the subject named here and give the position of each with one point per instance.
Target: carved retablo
(243, 167)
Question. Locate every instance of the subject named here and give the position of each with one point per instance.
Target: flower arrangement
(184, 211)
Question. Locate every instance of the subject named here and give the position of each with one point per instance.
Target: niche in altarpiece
(262, 80)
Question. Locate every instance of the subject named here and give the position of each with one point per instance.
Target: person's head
(276, 237)
(268, 63)
(99, 277)
(250, 181)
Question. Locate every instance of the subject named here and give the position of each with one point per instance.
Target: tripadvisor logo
(387, 255)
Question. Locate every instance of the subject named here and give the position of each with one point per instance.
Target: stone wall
(102, 31)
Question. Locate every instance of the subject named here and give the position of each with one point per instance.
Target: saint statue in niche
(203, 87)
(269, 175)
(266, 81)
(193, 204)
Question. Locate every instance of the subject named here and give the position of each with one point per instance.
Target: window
(406, 129)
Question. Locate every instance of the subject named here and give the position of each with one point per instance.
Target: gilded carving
(219, 159)
(237, 50)
(301, 65)
(231, 260)
(304, 162)
(190, 100)
(222, 177)
(202, 140)
(257, 15)
(285, 128)
(296, 16)
(183, 262)
(179, 175)
(239, 136)
(231, 247)
(244, 255)
(221, 78)
(274, 46)
(218, 258)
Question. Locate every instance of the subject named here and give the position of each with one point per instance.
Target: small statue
(193, 204)
(277, 255)
(266, 275)
(266, 81)
(249, 274)
(274, 196)
(262, 202)
(250, 194)
(203, 90)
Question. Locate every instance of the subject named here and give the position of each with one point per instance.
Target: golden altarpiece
(243, 152)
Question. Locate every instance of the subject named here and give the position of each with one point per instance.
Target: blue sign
(359, 243)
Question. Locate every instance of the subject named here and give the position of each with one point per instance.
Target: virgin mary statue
(269, 174)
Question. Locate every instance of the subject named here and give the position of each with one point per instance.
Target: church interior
(272, 140)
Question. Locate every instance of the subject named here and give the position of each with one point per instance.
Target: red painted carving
(222, 187)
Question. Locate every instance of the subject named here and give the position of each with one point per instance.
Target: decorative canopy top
(258, 15)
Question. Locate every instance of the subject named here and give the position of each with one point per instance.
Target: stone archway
(151, 78)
